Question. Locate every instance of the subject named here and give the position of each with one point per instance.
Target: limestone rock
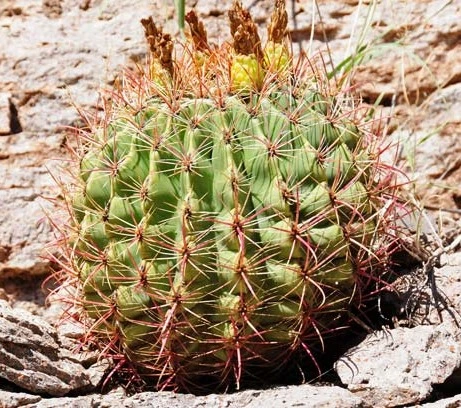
(398, 367)
(432, 137)
(453, 402)
(56, 54)
(5, 113)
(32, 359)
(17, 399)
(280, 397)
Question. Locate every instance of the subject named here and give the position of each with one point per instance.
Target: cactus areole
(228, 209)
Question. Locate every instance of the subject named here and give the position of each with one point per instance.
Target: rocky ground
(56, 54)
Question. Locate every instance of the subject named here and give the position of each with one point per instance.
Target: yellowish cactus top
(238, 68)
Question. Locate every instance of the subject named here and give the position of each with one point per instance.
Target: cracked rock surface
(56, 54)
(32, 357)
(398, 367)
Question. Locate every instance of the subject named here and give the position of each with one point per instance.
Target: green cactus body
(215, 230)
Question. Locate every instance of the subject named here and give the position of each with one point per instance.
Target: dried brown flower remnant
(244, 31)
(160, 44)
(197, 32)
(277, 28)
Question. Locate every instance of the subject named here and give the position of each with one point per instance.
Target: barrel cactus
(228, 209)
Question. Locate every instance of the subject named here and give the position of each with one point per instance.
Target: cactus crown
(227, 210)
